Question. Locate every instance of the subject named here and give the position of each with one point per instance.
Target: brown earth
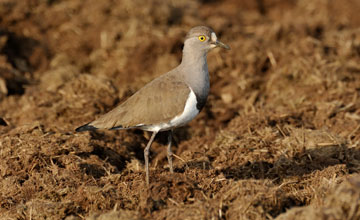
(278, 138)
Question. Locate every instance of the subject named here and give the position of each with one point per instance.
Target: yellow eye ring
(202, 38)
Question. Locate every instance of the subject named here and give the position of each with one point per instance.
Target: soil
(278, 138)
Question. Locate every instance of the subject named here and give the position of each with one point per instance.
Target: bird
(170, 100)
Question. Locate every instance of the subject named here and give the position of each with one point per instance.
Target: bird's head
(202, 38)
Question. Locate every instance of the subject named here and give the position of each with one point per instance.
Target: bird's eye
(202, 38)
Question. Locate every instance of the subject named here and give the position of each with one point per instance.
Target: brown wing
(157, 102)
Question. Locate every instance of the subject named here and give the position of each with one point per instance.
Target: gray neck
(195, 72)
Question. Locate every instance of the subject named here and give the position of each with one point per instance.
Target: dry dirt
(278, 138)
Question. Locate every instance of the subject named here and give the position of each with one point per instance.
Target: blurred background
(280, 129)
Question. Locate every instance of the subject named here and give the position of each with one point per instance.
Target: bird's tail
(86, 127)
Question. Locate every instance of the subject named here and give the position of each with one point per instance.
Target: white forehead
(213, 37)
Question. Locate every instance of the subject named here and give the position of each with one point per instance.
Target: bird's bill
(221, 44)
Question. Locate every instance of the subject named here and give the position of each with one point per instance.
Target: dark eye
(202, 38)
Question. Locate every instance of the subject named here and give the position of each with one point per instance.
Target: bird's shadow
(300, 164)
(119, 158)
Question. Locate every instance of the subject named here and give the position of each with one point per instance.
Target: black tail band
(86, 127)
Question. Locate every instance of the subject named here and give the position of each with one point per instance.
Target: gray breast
(201, 100)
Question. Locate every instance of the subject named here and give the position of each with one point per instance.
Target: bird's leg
(146, 156)
(169, 152)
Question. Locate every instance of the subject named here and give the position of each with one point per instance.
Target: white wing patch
(190, 111)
